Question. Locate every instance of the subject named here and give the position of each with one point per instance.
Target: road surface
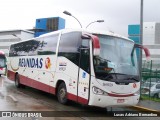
(26, 101)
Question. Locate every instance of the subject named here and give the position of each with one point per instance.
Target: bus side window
(68, 46)
(23, 48)
(32, 47)
(48, 45)
(12, 51)
(85, 43)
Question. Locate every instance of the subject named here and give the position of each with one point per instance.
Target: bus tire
(62, 93)
(0, 75)
(17, 83)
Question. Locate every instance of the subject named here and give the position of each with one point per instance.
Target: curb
(144, 109)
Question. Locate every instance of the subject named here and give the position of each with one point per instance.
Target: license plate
(120, 100)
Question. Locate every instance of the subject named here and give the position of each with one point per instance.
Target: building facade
(45, 25)
(10, 36)
(151, 39)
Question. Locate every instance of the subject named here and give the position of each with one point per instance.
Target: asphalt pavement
(148, 105)
(143, 105)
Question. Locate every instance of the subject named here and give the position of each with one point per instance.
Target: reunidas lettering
(31, 62)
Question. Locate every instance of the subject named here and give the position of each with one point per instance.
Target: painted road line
(141, 108)
(13, 98)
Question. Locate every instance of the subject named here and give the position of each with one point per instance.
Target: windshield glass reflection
(117, 56)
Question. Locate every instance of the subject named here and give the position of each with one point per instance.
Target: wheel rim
(62, 94)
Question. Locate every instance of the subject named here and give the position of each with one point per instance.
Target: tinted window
(158, 86)
(69, 46)
(40, 46)
(70, 42)
(48, 45)
(24, 48)
(12, 51)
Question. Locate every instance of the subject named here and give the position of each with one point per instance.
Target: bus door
(84, 72)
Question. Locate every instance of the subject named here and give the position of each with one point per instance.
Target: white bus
(2, 63)
(98, 69)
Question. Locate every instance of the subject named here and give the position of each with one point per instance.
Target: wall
(11, 36)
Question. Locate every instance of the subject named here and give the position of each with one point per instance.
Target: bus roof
(88, 31)
(78, 30)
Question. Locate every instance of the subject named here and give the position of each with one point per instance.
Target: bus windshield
(2, 61)
(117, 56)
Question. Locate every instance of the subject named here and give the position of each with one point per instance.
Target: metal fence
(150, 85)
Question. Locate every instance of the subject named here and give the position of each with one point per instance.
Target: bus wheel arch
(61, 92)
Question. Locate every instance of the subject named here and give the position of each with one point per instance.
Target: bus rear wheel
(17, 83)
(62, 93)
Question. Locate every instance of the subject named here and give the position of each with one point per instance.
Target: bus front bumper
(105, 101)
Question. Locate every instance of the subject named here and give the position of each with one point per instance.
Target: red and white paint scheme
(2, 63)
(91, 68)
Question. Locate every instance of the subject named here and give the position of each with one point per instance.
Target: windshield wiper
(132, 78)
(102, 59)
(125, 76)
(109, 77)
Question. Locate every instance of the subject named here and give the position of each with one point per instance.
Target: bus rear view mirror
(84, 36)
(146, 50)
(95, 42)
(96, 45)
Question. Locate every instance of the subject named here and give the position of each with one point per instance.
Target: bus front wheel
(62, 93)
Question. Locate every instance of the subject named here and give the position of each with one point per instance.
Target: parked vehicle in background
(152, 89)
(152, 80)
(2, 63)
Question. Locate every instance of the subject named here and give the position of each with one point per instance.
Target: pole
(141, 42)
(99, 21)
(90, 24)
(68, 13)
(77, 21)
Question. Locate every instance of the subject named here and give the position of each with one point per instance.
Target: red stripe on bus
(41, 86)
(118, 95)
(36, 84)
(24, 80)
(82, 100)
(74, 98)
(11, 75)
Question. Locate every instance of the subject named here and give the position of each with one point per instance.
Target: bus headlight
(99, 91)
(137, 93)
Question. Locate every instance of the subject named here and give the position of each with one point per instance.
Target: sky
(117, 14)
